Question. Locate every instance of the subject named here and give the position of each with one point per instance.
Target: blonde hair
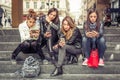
(68, 34)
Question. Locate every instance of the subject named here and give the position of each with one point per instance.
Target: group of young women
(63, 40)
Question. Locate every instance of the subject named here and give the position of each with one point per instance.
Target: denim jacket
(91, 27)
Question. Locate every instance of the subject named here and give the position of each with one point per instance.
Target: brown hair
(56, 20)
(88, 20)
(40, 14)
(31, 14)
(72, 25)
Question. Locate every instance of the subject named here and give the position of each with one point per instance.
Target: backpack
(93, 59)
(31, 67)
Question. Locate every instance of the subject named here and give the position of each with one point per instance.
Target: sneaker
(13, 61)
(85, 62)
(45, 61)
(101, 62)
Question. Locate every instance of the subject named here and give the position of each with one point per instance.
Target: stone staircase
(9, 39)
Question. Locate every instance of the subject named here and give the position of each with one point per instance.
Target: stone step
(9, 62)
(112, 37)
(9, 31)
(10, 38)
(112, 30)
(108, 56)
(10, 46)
(108, 31)
(111, 70)
(68, 69)
(14, 31)
(12, 76)
(107, 43)
(16, 38)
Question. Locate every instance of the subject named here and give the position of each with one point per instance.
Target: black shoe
(73, 59)
(57, 71)
(13, 57)
(13, 60)
(45, 62)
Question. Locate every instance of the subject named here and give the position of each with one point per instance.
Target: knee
(102, 40)
(25, 44)
(67, 47)
(33, 44)
(84, 40)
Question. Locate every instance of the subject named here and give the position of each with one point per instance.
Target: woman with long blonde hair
(69, 43)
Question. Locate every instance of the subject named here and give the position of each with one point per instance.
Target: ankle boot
(13, 57)
(73, 59)
(57, 71)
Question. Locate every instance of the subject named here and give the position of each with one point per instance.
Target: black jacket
(75, 40)
(43, 28)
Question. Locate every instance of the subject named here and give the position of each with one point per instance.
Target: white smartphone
(62, 39)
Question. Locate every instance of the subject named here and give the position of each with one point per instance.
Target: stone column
(17, 12)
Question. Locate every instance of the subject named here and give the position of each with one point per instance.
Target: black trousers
(63, 51)
(29, 46)
(1, 21)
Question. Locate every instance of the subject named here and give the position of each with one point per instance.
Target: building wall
(98, 4)
(115, 4)
(44, 5)
(101, 5)
(91, 3)
(6, 5)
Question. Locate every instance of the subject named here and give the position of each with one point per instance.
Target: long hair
(56, 20)
(88, 19)
(68, 34)
(31, 14)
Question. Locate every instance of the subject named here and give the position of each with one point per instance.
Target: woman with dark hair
(1, 15)
(49, 27)
(93, 36)
(70, 41)
(29, 34)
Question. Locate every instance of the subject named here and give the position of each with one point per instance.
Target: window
(94, 5)
(53, 3)
(35, 5)
(42, 5)
(27, 5)
(57, 4)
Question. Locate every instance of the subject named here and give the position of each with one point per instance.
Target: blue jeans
(90, 43)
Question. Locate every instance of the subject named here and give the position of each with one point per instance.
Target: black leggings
(29, 46)
(1, 21)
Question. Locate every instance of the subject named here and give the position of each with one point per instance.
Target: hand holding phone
(62, 39)
(62, 42)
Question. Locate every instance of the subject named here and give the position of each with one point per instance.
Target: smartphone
(62, 39)
(35, 31)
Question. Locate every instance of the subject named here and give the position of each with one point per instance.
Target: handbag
(93, 59)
